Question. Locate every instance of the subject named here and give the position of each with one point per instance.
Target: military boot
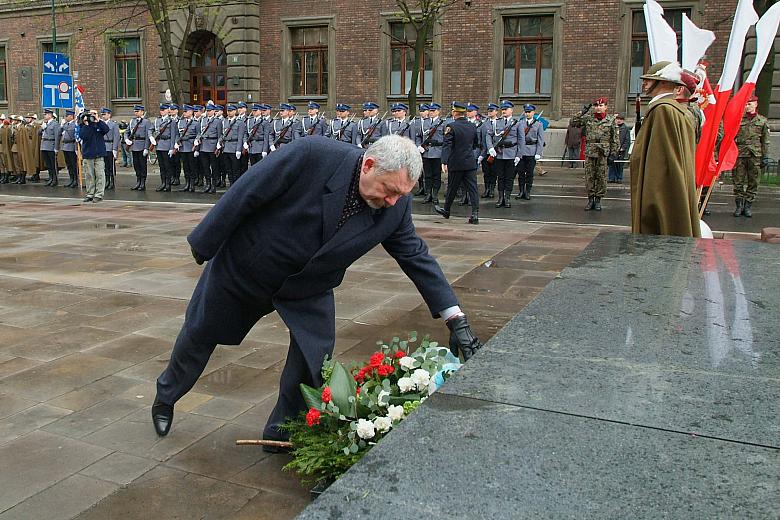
(167, 185)
(500, 203)
(591, 203)
(597, 203)
(162, 183)
(435, 197)
(474, 218)
(54, 180)
(22, 178)
(527, 191)
(206, 185)
(428, 198)
(110, 182)
(491, 193)
(507, 196)
(36, 178)
(740, 207)
(520, 192)
(137, 183)
(142, 185)
(747, 210)
(187, 186)
(3, 178)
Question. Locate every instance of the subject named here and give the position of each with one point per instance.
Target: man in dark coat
(282, 241)
(458, 161)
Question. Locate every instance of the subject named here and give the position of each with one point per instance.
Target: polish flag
(695, 43)
(661, 38)
(744, 18)
(766, 30)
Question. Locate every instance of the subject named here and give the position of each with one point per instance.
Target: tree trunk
(419, 57)
(162, 22)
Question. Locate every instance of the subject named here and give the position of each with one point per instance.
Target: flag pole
(706, 199)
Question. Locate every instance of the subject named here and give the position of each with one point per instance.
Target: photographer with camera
(93, 149)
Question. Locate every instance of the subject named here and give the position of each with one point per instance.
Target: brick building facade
(557, 54)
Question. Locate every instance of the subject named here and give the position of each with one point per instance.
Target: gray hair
(393, 153)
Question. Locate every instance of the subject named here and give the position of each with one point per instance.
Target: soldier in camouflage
(601, 141)
(753, 143)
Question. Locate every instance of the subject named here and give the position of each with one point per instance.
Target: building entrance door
(208, 72)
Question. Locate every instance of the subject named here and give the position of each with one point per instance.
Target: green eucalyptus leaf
(342, 387)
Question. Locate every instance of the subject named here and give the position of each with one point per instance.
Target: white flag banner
(744, 18)
(766, 30)
(661, 38)
(695, 43)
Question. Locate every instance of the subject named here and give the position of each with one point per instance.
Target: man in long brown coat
(663, 178)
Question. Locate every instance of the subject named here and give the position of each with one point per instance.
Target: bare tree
(423, 16)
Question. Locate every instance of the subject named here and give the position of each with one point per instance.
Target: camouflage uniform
(601, 140)
(753, 143)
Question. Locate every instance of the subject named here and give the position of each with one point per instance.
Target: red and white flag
(766, 30)
(695, 43)
(661, 38)
(744, 18)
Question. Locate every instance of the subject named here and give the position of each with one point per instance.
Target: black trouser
(468, 180)
(232, 166)
(176, 167)
(108, 166)
(525, 171)
(489, 173)
(432, 174)
(210, 166)
(166, 166)
(244, 163)
(505, 173)
(139, 164)
(71, 161)
(189, 165)
(50, 159)
(255, 158)
(224, 165)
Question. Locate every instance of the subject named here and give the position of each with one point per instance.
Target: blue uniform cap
(219, 107)
(492, 106)
(231, 107)
(48, 111)
(210, 106)
(257, 106)
(399, 106)
(341, 107)
(434, 106)
(424, 106)
(241, 104)
(507, 104)
(370, 105)
(198, 108)
(173, 106)
(105, 110)
(70, 112)
(136, 108)
(312, 104)
(458, 107)
(266, 106)
(472, 106)
(528, 107)
(186, 107)
(286, 106)
(164, 106)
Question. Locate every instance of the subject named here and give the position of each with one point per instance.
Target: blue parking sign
(57, 91)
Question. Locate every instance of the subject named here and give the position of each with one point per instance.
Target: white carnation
(421, 378)
(407, 362)
(365, 429)
(382, 397)
(383, 424)
(394, 412)
(405, 384)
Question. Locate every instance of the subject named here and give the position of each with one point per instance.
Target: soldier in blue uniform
(429, 143)
(488, 170)
(266, 119)
(162, 140)
(398, 125)
(501, 143)
(173, 113)
(243, 115)
(342, 127)
(286, 129)
(458, 161)
(529, 150)
(234, 141)
(50, 144)
(206, 142)
(313, 123)
(112, 142)
(187, 132)
(422, 115)
(370, 128)
(137, 138)
(197, 115)
(256, 138)
(68, 147)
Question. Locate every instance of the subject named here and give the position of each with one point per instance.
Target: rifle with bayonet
(311, 129)
(177, 144)
(371, 131)
(221, 140)
(284, 130)
(504, 134)
(158, 133)
(344, 126)
(431, 133)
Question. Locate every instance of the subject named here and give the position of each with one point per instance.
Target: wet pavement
(91, 299)
(556, 197)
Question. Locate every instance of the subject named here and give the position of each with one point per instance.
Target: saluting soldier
(138, 140)
(458, 161)
(752, 141)
(313, 123)
(370, 128)
(256, 134)
(341, 127)
(111, 140)
(529, 150)
(501, 144)
(50, 144)
(286, 129)
(187, 131)
(398, 125)
(601, 141)
(162, 139)
(206, 143)
(429, 143)
(68, 147)
(234, 142)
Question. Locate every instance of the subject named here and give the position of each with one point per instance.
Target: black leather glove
(198, 259)
(585, 108)
(462, 338)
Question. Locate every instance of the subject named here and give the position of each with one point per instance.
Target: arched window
(208, 71)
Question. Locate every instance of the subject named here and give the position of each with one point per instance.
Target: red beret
(600, 100)
(753, 98)
(690, 80)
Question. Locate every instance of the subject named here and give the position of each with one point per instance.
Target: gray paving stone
(63, 500)
(119, 468)
(28, 420)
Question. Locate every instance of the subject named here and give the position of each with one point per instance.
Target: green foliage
(342, 386)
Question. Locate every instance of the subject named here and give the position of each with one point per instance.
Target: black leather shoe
(441, 211)
(162, 417)
(473, 219)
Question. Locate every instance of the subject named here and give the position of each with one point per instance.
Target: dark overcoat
(273, 244)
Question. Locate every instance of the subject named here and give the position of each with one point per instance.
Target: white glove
(176, 146)
(170, 153)
(153, 140)
(128, 142)
(492, 152)
(264, 154)
(57, 151)
(112, 151)
(537, 157)
(195, 153)
(517, 160)
(145, 153)
(43, 125)
(479, 160)
(421, 149)
(246, 146)
(238, 155)
(273, 148)
(196, 142)
(219, 146)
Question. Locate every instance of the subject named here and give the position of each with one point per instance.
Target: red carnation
(357, 391)
(385, 370)
(376, 359)
(326, 397)
(399, 354)
(313, 417)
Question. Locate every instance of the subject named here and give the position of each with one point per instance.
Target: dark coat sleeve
(446, 150)
(264, 182)
(411, 253)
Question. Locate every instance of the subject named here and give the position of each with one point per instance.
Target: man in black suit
(458, 162)
(282, 241)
